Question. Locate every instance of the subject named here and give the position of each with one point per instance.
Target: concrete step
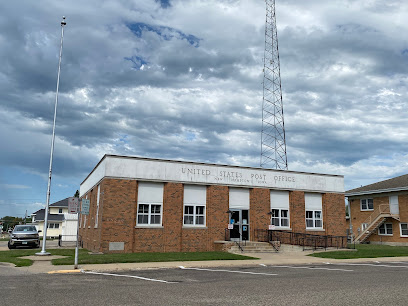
(290, 248)
(253, 247)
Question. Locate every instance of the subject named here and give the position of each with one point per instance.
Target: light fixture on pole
(43, 252)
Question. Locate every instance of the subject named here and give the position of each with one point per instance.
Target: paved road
(382, 283)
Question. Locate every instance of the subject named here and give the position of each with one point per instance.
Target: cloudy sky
(182, 79)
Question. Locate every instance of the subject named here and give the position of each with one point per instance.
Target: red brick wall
(358, 217)
(117, 220)
(217, 217)
(172, 216)
(334, 214)
(89, 234)
(260, 206)
(297, 211)
(118, 213)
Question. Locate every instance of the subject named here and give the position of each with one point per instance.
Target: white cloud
(14, 186)
(185, 82)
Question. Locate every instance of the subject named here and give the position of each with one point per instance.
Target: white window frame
(60, 210)
(86, 197)
(194, 215)
(364, 226)
(279, 218)
(97, 205)
(149, 214)
(195, 196)
(366, 203)
(150, 194)
(400, 226)
(53, 225)
(314, 219)
(386, 226)
(279, 202)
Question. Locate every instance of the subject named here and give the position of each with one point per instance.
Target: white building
(60, 222)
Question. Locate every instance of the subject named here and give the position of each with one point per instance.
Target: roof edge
(350, 194)
(94, 168)
(200, 163)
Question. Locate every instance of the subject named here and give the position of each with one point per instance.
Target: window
(60, 211)
(366, 204)
(150, 202)
(364, 226)
(404, 229)
(85, 215)
(314, 216)
(385, 229)
(53, 225)
(194, 205)
(314, 219)
(280, 208)
(149, 214)
(280, 217)
(194, 215)
(97, 205)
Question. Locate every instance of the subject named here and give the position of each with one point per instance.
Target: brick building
(379, 212)
(153, 205)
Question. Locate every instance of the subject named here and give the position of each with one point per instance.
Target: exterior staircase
(374, 221)
(256, 247)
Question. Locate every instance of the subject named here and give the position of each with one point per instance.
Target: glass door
(240, 221)
(235, 233)
(245, 224)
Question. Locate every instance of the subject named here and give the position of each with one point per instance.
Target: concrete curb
(65, 271)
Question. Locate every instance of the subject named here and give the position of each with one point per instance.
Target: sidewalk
(42, 264)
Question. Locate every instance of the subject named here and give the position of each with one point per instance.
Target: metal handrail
(302, 239)
(382, 209)
(238, 243)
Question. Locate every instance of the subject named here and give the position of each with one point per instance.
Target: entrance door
(240, 220)
(394, 207)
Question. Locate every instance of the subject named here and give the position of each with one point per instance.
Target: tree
(10, 222)
(76, 194)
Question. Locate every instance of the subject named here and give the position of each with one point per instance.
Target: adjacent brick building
(152, 205)
(379, 212)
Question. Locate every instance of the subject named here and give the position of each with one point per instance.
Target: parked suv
(24, 235)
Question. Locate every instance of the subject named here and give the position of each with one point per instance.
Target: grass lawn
(366, 251)
(85, 258)
(12, 255)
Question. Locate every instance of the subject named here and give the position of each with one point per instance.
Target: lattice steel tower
(273, 143)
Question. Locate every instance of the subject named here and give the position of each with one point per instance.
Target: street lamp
(43, 252)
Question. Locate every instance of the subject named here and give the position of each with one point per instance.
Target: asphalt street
(371, 283)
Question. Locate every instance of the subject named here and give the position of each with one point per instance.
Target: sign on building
(72, 205)
(85, 207)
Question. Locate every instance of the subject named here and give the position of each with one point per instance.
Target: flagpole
(43, 252)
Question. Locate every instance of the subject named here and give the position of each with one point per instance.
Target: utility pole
(43, 252)
(273, 142)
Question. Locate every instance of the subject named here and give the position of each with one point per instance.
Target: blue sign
(85, 206)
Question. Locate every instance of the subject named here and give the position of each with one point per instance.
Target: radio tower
(273, 144)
